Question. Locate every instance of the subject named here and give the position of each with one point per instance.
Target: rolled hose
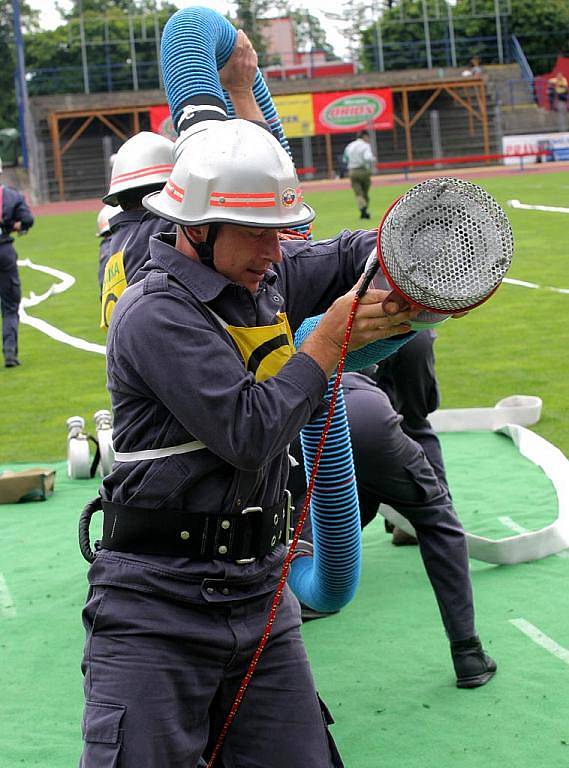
(328, 580)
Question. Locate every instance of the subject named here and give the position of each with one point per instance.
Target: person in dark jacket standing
(15, 216)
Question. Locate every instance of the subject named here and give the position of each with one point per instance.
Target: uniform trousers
(408, 378)
(161, 675)
(10, 296)
(393, 469)
(360, 179)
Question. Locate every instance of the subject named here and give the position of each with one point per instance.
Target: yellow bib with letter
(114, 284)
(264, 348)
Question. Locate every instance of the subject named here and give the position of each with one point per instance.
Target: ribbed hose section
(328, 580)
(196, 43)
(359, 358)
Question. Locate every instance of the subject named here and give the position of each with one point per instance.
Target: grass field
(516, 344)
(382, 663)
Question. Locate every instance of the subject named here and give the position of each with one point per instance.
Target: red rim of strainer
(412, 302)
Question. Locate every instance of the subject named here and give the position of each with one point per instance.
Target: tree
(102, 7)
(54, 57)
(351, 20)
(250, 19)
(542, 27)
(308, 31)
(29, 19)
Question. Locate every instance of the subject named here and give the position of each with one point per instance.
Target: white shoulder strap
(159, 453)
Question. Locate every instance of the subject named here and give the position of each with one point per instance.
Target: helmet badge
(288, 197)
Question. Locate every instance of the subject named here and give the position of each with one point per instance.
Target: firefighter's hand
(238, 75)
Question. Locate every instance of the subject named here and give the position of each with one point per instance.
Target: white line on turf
(544, 208)
(7, 609)
(538, 637)
(66, 281)
(507, 522)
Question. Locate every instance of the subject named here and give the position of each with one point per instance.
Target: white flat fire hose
(510, 417)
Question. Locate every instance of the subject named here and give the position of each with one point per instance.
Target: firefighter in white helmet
(207, 392)
(104, 235)
(142, 165)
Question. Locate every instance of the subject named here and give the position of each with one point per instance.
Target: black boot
(364, 214)
(472, 665)
(10, 359)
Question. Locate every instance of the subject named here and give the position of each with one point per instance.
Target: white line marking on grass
(539, 638)
(545, 208)
(66, 282)
(525, 284)
(7, 609)
(507, 522)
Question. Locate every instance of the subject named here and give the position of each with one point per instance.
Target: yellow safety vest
(264, 348)
(114, 284)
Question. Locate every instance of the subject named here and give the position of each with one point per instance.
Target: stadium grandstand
(426, 104)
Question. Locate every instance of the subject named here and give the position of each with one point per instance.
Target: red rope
(297, 531)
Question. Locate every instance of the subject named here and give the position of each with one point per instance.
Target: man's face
(243, 254)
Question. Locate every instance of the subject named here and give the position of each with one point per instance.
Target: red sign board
(349, 111)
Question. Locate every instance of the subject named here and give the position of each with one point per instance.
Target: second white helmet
(103, 217)
(234, 172)
(145, 159)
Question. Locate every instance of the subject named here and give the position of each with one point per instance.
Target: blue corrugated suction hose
(196, 43)
(328, 580)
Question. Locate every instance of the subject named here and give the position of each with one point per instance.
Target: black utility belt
(242, 537)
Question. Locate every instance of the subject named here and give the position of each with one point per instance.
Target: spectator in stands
(475, 68)
(15, 216)
(561, 90)
(360, 159)
(557, 87)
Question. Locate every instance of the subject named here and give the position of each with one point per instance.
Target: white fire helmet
(106, 213)
(231, 172)
(144, 159)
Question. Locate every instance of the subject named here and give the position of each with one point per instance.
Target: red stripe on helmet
(176, 188)
(174, 194)
(243, 204)
(240, 195)
(148, 171)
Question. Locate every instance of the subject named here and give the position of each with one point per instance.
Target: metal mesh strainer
(446, 245)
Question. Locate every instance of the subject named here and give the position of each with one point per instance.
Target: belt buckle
(248, 560)
(289, 509)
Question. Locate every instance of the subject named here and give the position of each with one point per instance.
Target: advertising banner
(349, 111)
(558, 143)
(161, 122)
(296, 114)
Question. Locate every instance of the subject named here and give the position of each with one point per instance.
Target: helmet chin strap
(204, 249)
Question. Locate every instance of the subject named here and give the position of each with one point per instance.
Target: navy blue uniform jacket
(174, 376)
